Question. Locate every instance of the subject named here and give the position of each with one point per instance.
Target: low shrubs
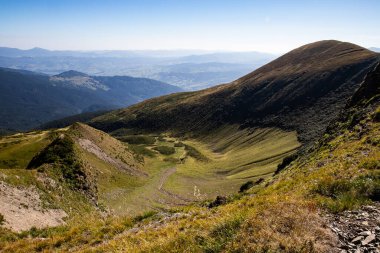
(343, 194)
(165, 150)
(194, 153)
(138, 139)
(61, 153)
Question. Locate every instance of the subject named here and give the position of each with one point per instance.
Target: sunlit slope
(290, 212)
(300, 91)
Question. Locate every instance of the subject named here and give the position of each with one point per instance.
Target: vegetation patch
(194, 153)
(138, 139)
(220, 236)
(342, 194)
(165, 150)
(61, 153)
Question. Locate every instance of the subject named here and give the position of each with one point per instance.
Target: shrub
(138, 139)
(178, 144)
(285, 162)
(61, 153)
(246, 186)
(165, 150)
(194, 153)
(2, 219)
(346, 194)
(370, 165)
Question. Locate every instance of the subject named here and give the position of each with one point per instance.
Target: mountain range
(29, 99)
(188, 69)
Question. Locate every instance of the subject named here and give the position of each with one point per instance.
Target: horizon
(227, 26)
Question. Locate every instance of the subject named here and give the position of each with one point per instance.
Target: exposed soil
(96, 150)
(22, 209)
(163, 179)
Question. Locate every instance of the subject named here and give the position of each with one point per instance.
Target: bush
(165, 150)
(178, 144)
(138, 139)
(194, 153)
(246, 186)
(346, 194)
(61, 153)
(2, 219)
(370, 165)
(285, 162)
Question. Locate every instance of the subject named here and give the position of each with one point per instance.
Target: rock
(365, 223)
(134, 230)
(368, 239)
(365, 233)
(357, 239)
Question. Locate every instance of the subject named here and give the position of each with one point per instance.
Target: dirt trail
(162, 181)
(165, 177)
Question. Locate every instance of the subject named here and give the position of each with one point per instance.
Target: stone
(357, 239)
(365, 233)
(365, 223)
(368, 239)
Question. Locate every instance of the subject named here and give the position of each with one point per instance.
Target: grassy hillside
(288, 93)
(284, 213)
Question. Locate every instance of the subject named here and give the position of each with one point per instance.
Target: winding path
(162, 181)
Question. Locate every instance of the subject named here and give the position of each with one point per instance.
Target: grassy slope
(286, 215)
(285, 93)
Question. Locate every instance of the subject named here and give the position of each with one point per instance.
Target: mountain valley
(259, 164)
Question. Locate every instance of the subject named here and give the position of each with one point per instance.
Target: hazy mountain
(189, 69)
(29, 99)
(375, 49)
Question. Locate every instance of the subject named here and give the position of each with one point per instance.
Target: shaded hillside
(29, 99)
(302, 90)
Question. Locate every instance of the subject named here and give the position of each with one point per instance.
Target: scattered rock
(358, 231)
(369, 239)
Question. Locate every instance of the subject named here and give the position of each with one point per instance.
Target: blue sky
(235, 25)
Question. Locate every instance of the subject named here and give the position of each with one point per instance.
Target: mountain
(289, 92)
(29, 99)
(79, 189)
(188, 69)
(375, 49)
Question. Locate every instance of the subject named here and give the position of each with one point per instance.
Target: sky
(274, 26)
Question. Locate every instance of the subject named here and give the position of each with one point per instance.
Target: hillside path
(165, 177)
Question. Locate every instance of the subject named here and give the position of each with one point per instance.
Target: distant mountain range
(189, 69)
(375, 49)
(29, 99)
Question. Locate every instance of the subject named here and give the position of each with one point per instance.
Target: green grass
(16, 151)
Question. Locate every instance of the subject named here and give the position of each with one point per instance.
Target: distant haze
(188, 69)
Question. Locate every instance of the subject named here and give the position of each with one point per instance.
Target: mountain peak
(71, 73)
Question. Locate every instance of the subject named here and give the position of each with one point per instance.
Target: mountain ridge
(30, 99)
(280, 93)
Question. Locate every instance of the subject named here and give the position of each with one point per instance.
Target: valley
(256, 165)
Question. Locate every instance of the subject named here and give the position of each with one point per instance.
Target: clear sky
(236, 25)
